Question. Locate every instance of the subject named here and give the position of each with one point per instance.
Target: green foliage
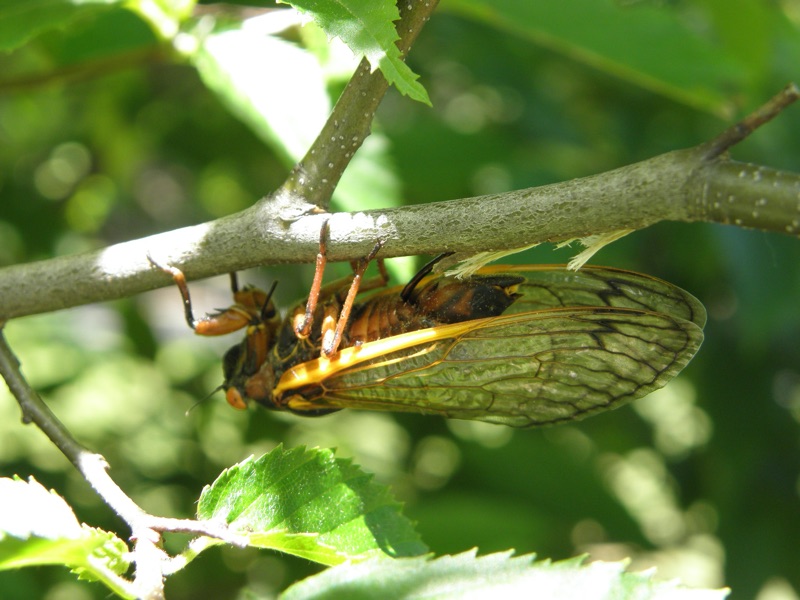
(283, 501)
(118, 120)
(465, 576)
(689, 67)
(22, 21)
(38, 527)
(367, 27)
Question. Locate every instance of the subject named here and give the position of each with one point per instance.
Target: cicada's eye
(231, 362)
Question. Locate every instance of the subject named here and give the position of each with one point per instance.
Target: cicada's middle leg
(336, 315)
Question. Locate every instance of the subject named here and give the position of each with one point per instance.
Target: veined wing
(553, 286)
(526, 369)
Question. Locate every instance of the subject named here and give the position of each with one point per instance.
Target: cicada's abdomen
(438, 301)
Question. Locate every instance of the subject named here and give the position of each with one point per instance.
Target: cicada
(523, 345)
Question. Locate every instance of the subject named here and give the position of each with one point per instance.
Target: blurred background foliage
(108, 132)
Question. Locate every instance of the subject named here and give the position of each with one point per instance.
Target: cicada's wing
(553, 286)
(527, 369)
(573, 344)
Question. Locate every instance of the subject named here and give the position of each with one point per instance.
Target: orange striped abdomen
(439, 302)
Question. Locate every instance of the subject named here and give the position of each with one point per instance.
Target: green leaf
(108, 36)
(495, 575)
(38, 527)
(310, 504)
(164, 16)
(366, 26)
(275, 87)
(647, 45)
(21, 21)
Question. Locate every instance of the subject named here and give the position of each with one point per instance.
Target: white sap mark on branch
(345, 224)
(167, 249)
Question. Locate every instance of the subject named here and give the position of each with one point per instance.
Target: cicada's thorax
(253, 367)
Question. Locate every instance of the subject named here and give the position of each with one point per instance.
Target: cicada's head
(248, 376)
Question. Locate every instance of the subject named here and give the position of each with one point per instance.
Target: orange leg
(333, 327)
(330, 343)
(302, 324)
(180, 280)
(375, 282)
(251, 306)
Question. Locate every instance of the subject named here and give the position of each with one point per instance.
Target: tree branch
(677, 186)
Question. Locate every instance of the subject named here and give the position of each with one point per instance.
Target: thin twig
(145, 528)
(313, 180)
(738, 132)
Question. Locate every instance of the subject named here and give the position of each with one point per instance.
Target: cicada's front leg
(251, 306)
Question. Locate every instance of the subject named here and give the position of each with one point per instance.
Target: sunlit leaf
(38, 527)
(280, 91)
(311, 504)
(275, 87)
(366, 26)
(492, 576)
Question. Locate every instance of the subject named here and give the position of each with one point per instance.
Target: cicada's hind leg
(383, 275)
(251, 305)
(336, 314)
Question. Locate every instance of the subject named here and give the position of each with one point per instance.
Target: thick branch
(749, 195)
(678, 186)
